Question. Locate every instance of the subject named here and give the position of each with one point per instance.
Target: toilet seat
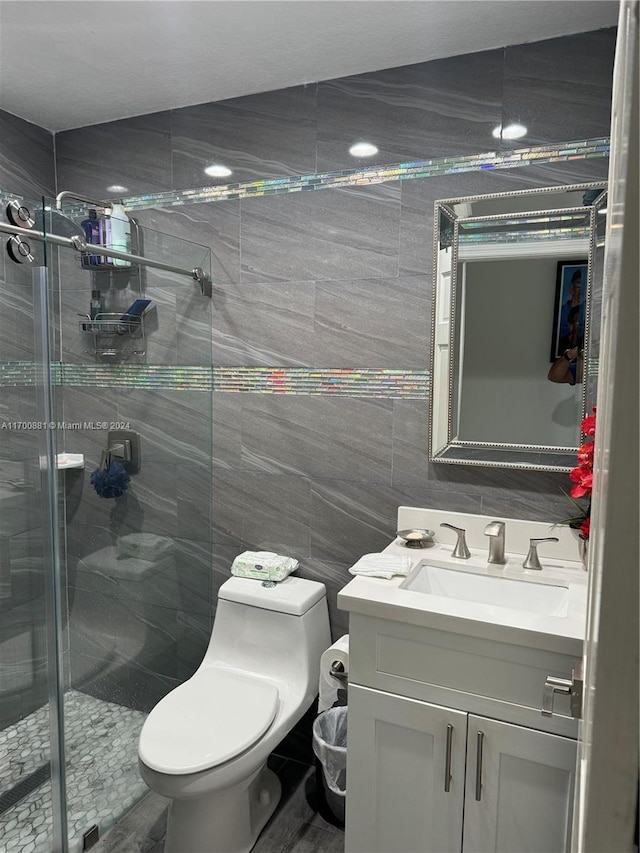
(208, 720)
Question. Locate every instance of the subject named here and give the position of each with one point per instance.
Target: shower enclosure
(101, 605)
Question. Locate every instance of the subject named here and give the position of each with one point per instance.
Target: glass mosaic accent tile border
(552, 153)
(388, 383)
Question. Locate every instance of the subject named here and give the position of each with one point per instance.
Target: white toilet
(205, 745)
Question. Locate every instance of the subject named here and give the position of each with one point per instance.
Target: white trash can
(330, 748)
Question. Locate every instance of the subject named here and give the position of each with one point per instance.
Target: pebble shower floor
(101, 743)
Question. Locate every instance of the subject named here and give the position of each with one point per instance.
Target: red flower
(583, 478)
(588, 425)
(585, 528)
(585, 454)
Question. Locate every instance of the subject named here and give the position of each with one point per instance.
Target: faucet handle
(460, 551)
(531, 561)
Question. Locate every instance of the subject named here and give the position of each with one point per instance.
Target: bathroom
(288, 410)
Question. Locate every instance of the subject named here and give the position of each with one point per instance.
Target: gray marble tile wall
(132, 641)
(333, 278)
(26, 169)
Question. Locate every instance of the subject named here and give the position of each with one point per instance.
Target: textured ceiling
(66, 64)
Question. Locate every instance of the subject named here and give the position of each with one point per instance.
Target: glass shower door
(32, 814)
(137, 561)
(105, 600)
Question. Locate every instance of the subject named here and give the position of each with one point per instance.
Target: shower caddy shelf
(114, 333)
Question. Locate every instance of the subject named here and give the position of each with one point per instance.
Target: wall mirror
(511, 361)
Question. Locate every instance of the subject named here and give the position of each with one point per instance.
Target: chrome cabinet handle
(572, 687)
(447, 760)
(479, 744)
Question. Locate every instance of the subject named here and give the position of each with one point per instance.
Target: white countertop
(386, 600)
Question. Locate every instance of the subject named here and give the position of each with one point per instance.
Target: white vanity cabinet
(398, 799)
(448, 751)
(426, 779)
(518, 789)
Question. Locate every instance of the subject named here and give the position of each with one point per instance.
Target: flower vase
(583, 546)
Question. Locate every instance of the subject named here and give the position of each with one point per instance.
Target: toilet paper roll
(330, 684)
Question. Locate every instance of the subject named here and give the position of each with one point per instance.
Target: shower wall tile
(133, 152)
(193, 564)
(227, 436)
(327, 234)
(150, 503)
(193, 486)
(173, 425)
(257, 136)
(119, 681)
(560, 89)
(160, 586)
(26, 158)
(161, 329)
(418, 112)
(263, 324)
(261, 512)
(373, 322)
(16, 319)
(81, 408)
(131, 630)
(215, 225)
(318, 437)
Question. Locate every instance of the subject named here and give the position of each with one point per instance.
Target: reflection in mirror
(511, 322)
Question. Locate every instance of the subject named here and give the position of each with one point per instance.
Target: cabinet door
(398, 767)
(519, 789)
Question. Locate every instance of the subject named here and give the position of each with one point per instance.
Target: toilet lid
(209, 719)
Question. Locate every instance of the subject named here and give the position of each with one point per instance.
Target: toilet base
(226, 821)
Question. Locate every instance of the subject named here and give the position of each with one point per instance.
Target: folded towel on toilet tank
(263, 565)
(381, 566)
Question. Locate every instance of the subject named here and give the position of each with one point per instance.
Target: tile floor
(300, 824)
(102, 771)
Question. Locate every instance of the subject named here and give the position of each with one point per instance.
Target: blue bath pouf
(111, 482)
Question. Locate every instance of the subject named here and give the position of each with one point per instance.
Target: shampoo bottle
(120, 233)
(91, 228)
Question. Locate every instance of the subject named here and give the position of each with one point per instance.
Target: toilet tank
(276, 632)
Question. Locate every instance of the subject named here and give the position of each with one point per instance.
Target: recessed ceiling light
(510, 131)
(117, 188)
(217, 170)
(363, 149)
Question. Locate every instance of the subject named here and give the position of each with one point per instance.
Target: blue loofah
(112, 481)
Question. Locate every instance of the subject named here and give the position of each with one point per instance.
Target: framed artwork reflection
(570, 307)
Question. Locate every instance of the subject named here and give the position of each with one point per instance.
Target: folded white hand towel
(381, 566)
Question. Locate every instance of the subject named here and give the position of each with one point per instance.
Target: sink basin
(511, 593)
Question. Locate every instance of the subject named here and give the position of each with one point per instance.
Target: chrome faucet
(531, 560)
(495, 531)
(461, 551)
